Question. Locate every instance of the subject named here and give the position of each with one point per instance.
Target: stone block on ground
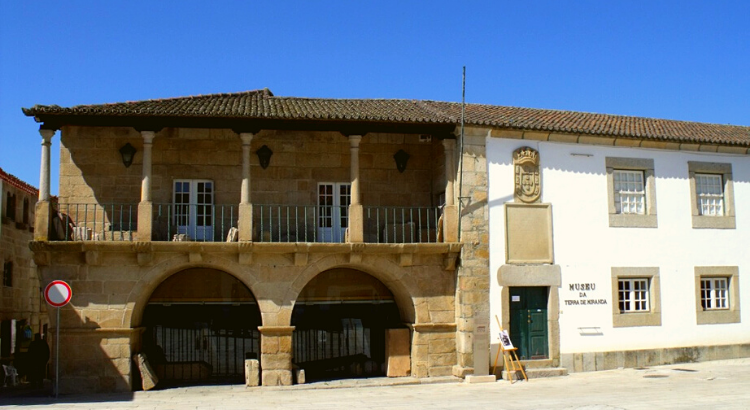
(252, 373)
(398, 359)
(148, 376)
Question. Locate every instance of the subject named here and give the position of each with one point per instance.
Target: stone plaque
(528, 233)
(528, 182)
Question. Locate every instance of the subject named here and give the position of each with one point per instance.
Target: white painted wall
(586, 247)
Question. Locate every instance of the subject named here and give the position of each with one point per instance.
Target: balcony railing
(271, 223)
(86, 222)
(401, 224)
(194, 222)
(300, 223)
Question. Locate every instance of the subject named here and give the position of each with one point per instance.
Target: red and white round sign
(58, 293)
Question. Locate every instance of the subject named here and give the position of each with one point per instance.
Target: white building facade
(640, 258)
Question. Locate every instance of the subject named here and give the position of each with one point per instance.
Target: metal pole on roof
(461, 150)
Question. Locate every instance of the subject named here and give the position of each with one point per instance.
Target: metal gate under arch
(200, 326)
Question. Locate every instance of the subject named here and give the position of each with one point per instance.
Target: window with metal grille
(630, 195)
(714, 293)
(710, 191)
(633, 295)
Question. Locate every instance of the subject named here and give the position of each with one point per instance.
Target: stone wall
(594, 361)
(22, 300)
(472, 293)
(113, 281)
(91, 169)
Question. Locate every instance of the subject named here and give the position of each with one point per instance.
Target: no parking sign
(57, 293)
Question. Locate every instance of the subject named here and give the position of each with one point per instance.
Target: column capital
(354, 140)
(148, 136)
(247, 137)
(449, 144)
(46, 134)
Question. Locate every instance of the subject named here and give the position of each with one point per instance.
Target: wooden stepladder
(510, 358)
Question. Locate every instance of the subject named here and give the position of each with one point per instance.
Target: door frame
(336, 232)
(535, 276)
(521, 334)
(192, 228)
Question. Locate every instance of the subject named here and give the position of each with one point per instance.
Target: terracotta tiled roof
(262, 104)
(15, 182)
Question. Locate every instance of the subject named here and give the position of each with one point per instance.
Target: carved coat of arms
(528, 184)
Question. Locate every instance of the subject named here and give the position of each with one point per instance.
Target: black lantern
(264, 156)
(128, 152)
(401, 158)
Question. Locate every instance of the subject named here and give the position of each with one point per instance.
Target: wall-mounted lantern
(128, 153)
(401, 158)
(264, 156)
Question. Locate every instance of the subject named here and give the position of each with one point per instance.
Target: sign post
(57, 294)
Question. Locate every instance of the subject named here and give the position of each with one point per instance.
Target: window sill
(632, 221)
(715, 317)
(635, 319)
(713, 222)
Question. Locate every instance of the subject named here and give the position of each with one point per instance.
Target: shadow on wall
(86, 367)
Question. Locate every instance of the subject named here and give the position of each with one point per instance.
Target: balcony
(270, 223)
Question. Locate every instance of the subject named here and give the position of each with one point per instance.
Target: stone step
(536, 373)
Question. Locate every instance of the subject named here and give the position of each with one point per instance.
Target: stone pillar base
(450, 223)
(356, 224)
(245, 222)
(145, 220)
(276, 355)
(42, 218)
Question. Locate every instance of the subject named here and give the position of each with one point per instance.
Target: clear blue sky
(686, 60)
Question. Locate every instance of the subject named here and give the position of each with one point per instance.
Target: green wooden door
(528, 322)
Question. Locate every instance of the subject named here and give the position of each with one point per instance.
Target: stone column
(450, 212)
(276, 355)
(245, 220)
(356, 213)
(43, 210)
(145, 207)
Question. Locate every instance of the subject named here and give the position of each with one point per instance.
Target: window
(26, 211)
(637, 293)
(631, 192)
(633, 295)
(717, 294)
(712, 195)
(630, 196)
(710, 191)
(714, 293)
(8, 274)
(10, 206)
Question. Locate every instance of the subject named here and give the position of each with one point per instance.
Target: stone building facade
(347, 238)
(22, 308)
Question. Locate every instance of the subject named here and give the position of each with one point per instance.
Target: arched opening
(200, 326)
(340, 318)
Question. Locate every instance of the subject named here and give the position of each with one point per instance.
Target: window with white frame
(712, 195)
(710, 191)
(633, 295)
(630, 194)
(637, 293)
(714, 293)
(631, 191)
(717, 294)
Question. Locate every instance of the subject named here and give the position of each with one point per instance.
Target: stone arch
(151, 279)
(393, 276)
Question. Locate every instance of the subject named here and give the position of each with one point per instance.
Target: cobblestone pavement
(719, 384)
